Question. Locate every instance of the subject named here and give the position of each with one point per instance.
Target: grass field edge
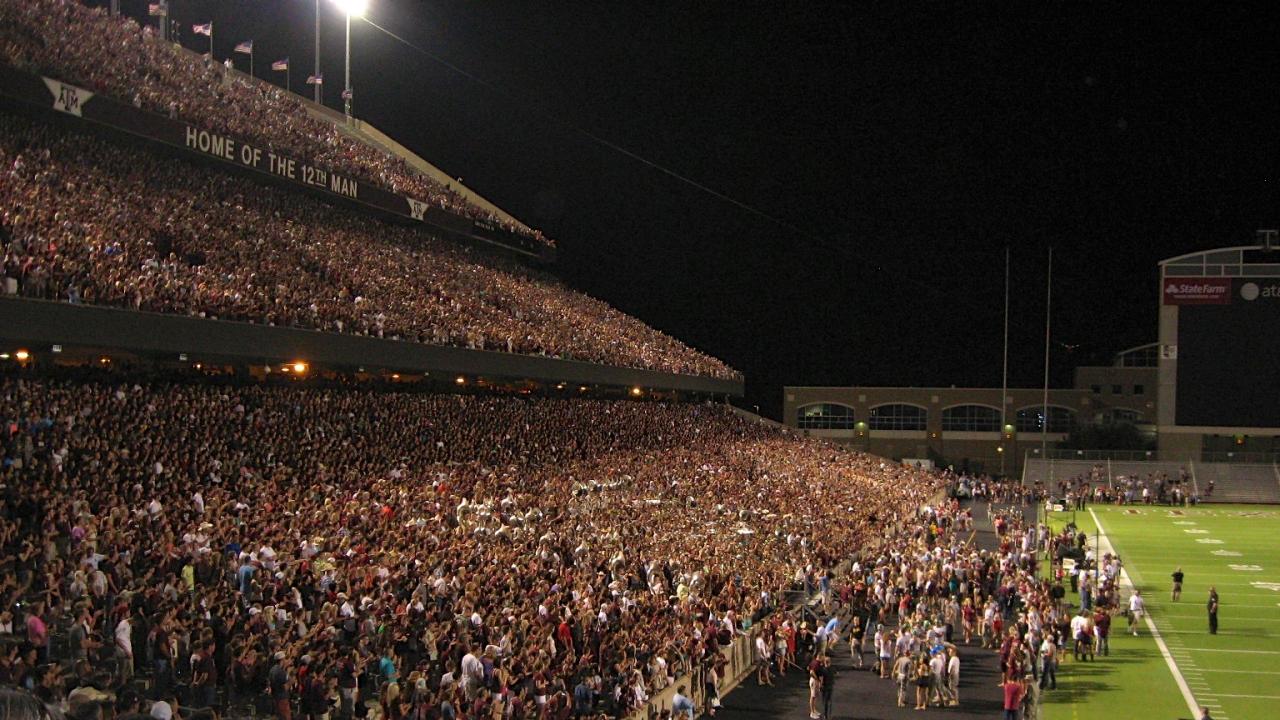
(1105, 546)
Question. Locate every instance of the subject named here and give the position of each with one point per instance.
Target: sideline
(1104, 546)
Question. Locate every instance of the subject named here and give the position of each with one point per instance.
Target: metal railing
(1098, 455)
(1249, 457)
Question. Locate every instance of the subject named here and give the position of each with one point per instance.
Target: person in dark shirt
(828, 676)
(1177, 584)
(278, 682)
(204, 677)
(1213, 610)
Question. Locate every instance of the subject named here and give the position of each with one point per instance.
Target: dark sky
(909, 144)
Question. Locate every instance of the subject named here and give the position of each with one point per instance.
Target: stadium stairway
(1232, 482)
(1238, 483)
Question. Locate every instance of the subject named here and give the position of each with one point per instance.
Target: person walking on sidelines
(828, 675)
(1013, 692)
(902, 676)
(1137, 608)
(953, 677)
(1213, 610)
(1178, 575)
(815, 686)
(1102, 629)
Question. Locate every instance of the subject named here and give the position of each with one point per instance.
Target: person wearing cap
(278, 682)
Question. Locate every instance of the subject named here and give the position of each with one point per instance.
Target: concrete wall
(1138, 388)
(991, 452)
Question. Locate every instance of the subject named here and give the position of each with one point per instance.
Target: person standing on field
(1137, 608)
(1213, 610)
(1177, 584)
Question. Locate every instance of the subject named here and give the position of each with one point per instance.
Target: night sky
(898, 149)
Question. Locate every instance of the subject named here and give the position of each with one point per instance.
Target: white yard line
(1223, 650)
(1104, 546)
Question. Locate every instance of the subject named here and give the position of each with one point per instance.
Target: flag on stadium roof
(315, 79)
(205, 29)
(280, 64)
(159, 9)
(245, 47)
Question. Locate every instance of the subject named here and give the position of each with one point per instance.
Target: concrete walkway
(860, 695)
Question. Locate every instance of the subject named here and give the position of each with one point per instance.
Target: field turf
(1236, 673)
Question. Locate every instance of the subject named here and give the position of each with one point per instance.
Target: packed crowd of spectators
(87, 220)
(331, 550)
(112, 55)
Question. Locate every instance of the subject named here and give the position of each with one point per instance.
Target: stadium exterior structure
(966, 428)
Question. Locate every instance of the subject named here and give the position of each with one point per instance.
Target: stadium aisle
(860, 695)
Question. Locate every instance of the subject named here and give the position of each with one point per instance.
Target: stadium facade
(1209, 389)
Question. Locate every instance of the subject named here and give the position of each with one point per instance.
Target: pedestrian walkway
(862, 695)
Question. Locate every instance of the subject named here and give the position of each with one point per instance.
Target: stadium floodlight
(356, 9)
(352, 8)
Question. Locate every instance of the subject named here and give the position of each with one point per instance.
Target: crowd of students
(86, 220)
(325, 550)
(112, 55)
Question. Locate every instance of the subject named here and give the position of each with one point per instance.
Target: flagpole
(1048, 312)
(250, 61)
(211, 40)
(1004, 373)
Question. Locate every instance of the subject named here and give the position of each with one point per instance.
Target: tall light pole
(350, 8)
(317, 86)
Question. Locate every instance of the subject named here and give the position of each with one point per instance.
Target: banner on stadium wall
(87, 105)
(1257, 290)
(1221, 290)
(1197, 291)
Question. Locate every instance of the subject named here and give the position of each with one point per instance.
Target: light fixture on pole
(350, 8)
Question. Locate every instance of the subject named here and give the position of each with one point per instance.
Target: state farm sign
(1197, 291)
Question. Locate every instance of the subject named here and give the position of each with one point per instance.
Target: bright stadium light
(352, 8)
(356, 9)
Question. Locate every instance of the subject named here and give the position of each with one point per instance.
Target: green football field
(1235, 673)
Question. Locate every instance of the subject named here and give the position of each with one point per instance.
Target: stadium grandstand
(280, 437)
(291, 424)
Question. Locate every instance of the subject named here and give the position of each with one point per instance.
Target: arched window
(970, 418)
(825, 416)
(898, 417)
(1031, 419)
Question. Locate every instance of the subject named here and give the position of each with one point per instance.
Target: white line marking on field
(1259, 697)
(1244, 672)
(1224, 650)
(1104, 546)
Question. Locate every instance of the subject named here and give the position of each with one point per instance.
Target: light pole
(350, 8)
(316, 86)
